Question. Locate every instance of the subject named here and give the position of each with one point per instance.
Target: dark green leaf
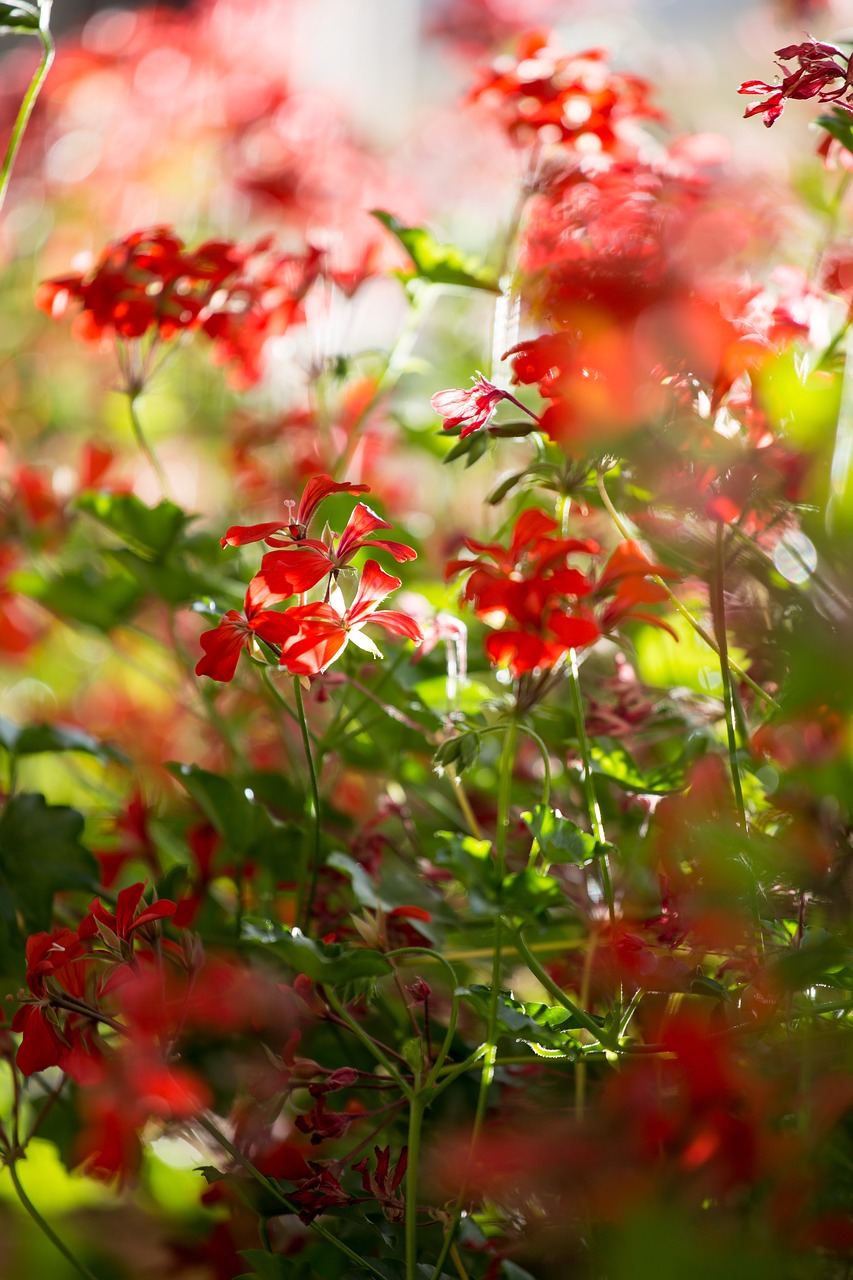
(506, 486)
(476, 443)
(528, 893)
(40, 855)
(265, 1266)
(438, 263)
(838, 125)
(18, 19)
(330, 962)
(82, 595)
(223, 802)
(147, 531)
(31, 739)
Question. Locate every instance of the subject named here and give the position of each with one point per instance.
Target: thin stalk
(719, 615)
(369, 1044)
(45, 1227)
(589, 786)
(270, 1186)
(464, 803)
(682, 608)
(417, 1106)
(557, 992)
(29, 100)
(144, 444)
(305, 898)
(490, 1049)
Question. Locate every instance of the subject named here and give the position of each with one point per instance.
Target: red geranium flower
(325, 629)
(303, 566)
(470, 408)
(223, 645)
(317, 488)
(819, 66)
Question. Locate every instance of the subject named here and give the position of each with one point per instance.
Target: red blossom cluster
(822, 72)
(149, 285)
(522, 592)
(575, 99)
(308, 637)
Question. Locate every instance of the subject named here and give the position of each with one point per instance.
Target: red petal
(240, 534)
(222, 648)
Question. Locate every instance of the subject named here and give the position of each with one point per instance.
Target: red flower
(470, 409)
(303, 566)
(324, 630)
(127, 919)
(819, 66)
(317, 488)
(236, 632)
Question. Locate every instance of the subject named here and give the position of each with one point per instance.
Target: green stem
(45, 1227)
(29, 100)
(589, 786)
(144, 445)
(305, 899)
(719, 615)
(543, 750)
(417, 1106)
(490, 1048)
(369, 1044)
(559, 995)
(270, 1186)
(682, 608)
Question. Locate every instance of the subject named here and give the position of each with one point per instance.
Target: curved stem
(305, 899)
(682, 609)
(45, 1227)
(719, 614)
(589, 786)
(557, 992)
(144, 444)
(370, 1045)
(29, 100)
(490, 1048)
(272, 1188)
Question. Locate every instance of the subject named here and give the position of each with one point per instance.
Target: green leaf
(83, 595)
(223, 802)
(619, 766)
(506, 486)
(560, 839)
(40, 855)
(362, 886)
(330, 962)
(438, 263)
(472, 446)
(528, 893)
(474, 867)
(31, 739)
(266, 1266)
(838, 125)
(18, 19)
(147, 531)
(529, 1021)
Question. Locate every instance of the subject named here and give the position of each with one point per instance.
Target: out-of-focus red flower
(819, 69)
(135, 844)
(574, 100)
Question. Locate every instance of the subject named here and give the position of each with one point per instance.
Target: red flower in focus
(324, 629)
(819, 68)
(296, 530)
(223, 645)
(471, 409)
(302, 567)
(126, 920)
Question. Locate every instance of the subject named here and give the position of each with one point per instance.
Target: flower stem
(491, 1048)
(29, 100)
(417, 1106)
(144, 444)
(682, 609)
(45, 1227)
(589, 786)
(306, 895)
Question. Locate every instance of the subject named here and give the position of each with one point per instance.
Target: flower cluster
(150, 285)
(308, 637)
(522, 591)
(822, 72)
